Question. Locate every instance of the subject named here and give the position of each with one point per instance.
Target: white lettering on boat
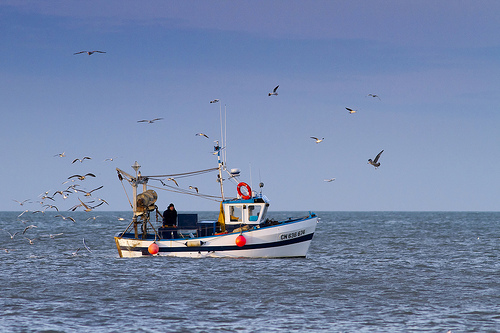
(292, 235)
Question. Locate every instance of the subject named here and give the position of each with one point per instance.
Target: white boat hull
(287, 239)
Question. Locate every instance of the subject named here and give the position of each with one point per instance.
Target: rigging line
(173, 189)
(131, 206)
(182, 174)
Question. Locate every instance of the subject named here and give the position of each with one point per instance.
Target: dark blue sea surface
(365, 272)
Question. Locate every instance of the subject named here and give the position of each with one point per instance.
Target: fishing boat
(242, 229)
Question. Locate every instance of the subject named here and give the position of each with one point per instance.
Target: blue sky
(435, 66)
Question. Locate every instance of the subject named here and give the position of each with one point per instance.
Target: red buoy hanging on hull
(240, 241)
(153, 248)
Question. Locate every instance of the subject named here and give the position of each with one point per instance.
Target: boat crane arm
(121, 172)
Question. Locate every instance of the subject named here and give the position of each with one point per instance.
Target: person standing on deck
(170, 216)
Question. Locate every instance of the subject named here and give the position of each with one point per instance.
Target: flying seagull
(274, 91)
(63, 154)
(21, 202)
(375, 162)
(350, 110)
(214, 101)
(374, 96)
(86, 246)
(82, 177)
(194, 188)
(81, 204)
(50, 206)
(317, 140)
(11, 235)
(89, 52)
(81, 160)
(173, 181)
(201, 134)
(66, 218)
(149, 121)
(329, 180)
(29, 227)
(30, 240)
(89, 193)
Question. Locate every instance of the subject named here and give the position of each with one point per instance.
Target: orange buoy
(153, 248)
(240, 240)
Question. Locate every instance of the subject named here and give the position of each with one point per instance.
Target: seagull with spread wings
(275, 92)
(374, 96)
(66, 218)
(149, 121)
(11, 235)
(350, 110)
(81, 160)
(89, 193)
(82, 177)
(21, 202)
(88, 52)
(317, 140)
(86, 247)
(375, 162)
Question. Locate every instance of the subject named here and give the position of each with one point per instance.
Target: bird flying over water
(274, 91)
(81, 204)
(89, 52)
(317, 140)
(86, 247)
(89, 193)
(214, 101)
(329, 180)
(63, 154)
(194, 188)
(66, 218)
(21, 202)
(11, 235)
(50, 206)
(350, 110)
(30, 240)
(201, 134)
(375, 162)
(149, 121)
(29, 227)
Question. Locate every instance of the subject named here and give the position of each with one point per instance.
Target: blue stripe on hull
(224, 247)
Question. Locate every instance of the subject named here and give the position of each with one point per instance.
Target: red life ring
(245, 197)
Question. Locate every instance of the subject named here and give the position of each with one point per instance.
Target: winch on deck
(146, 201)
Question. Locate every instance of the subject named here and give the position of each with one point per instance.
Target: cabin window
(253, 213)
(236, 213)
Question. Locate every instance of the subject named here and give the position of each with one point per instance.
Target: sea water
(365, 272)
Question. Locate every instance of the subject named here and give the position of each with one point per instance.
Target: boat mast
(218, 149)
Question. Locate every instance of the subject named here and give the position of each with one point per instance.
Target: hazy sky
(434, 64)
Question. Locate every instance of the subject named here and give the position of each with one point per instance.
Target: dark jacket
(170, 217)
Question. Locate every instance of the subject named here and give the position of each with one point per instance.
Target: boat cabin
(251, 211)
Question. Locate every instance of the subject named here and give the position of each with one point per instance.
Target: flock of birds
(50, 202)
(47, 202)
(274, 92)
(373, 162)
